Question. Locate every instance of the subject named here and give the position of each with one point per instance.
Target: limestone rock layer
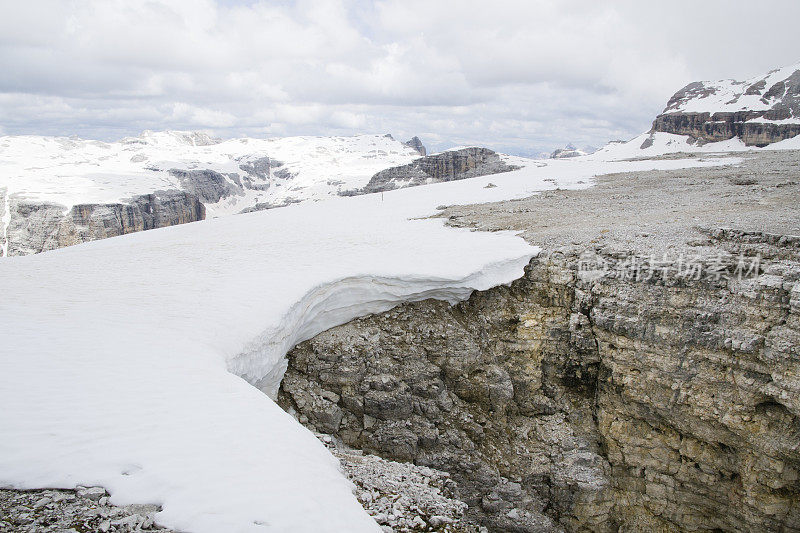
(575, 402)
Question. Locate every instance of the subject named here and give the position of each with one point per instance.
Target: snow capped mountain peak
(723, 115)
(760, 93)
(758, 112)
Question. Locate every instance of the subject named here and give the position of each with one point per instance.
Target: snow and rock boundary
(115, 355)
(263, 361)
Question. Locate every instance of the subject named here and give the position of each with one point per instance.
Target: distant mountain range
(59, 191)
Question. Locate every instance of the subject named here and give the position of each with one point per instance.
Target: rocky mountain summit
(446, 166)
(759, 111)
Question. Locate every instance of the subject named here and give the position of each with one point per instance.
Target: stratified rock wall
(581, 401)
(708, 127)
(446, 166)
(38, 227)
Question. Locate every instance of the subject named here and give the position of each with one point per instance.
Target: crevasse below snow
(119, 358)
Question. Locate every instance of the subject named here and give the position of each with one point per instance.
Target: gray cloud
(524, 76)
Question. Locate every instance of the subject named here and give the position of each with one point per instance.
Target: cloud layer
(522, 77)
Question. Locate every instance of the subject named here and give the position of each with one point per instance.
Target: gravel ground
(403, 497)
(654, 212)
(83, 510)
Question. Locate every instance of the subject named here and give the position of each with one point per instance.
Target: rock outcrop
(587, 404)
(446, 166)
(210, 186)
(416, 144)
(38, 227)
(258, 172)
(721, 126)
(759, 112)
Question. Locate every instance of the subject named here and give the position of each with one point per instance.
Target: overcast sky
(518, 76)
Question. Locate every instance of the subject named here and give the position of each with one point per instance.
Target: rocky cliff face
(592, 394)
(38, 227)
(446, 166)
(721, 126)
(210, 186)
(588, 404)
(759, 111)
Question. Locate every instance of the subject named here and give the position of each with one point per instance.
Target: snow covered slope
(62, 191)
(649, 145)
(71, 171)
(120, 359)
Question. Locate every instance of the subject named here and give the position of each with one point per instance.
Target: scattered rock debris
(84, 510)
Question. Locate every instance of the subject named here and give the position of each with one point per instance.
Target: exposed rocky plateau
(643, 374)
(772, 122)
(446, 166)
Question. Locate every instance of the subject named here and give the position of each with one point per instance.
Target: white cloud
(523, 76)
